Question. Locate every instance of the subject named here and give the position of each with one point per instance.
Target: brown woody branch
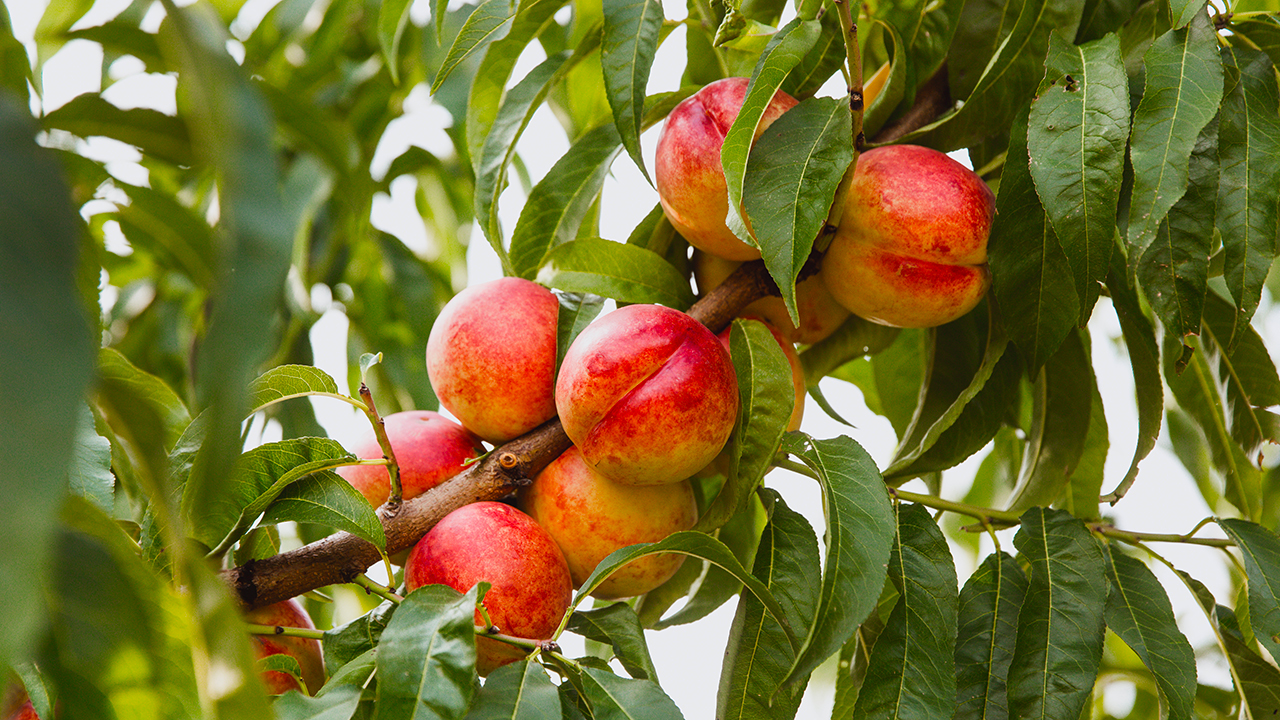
(339, 558)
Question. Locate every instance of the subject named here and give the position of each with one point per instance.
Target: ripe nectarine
(429, 448)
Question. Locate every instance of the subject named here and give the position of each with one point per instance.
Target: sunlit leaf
(626, 273)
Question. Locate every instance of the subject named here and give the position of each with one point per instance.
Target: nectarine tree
(1023, 248)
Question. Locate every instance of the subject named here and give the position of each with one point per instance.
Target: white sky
(1163, 500)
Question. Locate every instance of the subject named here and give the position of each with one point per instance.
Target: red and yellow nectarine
(430, 448)
(306, 651)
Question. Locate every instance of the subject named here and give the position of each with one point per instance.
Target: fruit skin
(911, 249)
(797, 370)
(590, 516)
(687, 168)
(491, 357)
(288, 613)
(498, 544)
(647, 394)
(820, 314)
(430, 448)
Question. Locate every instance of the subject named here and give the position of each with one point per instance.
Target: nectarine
(288, 613)
(820, 314)
(911, 249)
(429, 448)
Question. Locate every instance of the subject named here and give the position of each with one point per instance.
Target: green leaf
(519, 691)
(577, 310)
(289, 381)
(790, 184)
(43, 322)
(787, 47)
(765, 403)
(1139, 611)
(958, 372)
(426, 660)
(1085, 485)
(345, 645)
(895, 89)
(858, 540)
(258, 478)
(326, 499)
(1003, 82)
(758, 655)
(90, 471)
(1248, 142)
(89, 115)
(1077, 134)
(1247, 377)
(337, 704)
(618, 626)
(1174, 270)
(15, 66)
(987, 634)
(912, 671)
(856, 338)
(686, 542)
(1062, 397)
(1262, 31)
(484, 24)
(926, 29)
(1260, 549)
(626, 273)
(1030, 275)
(1060, 627)
(57, 19)
(1182, 92)
(490, 82)
(175, 232)
(124, 38)
(1257, 681)
(632, 30)
(393, 16)
(117, 627)
(314, 127)
(615, 698)
(1144, 358)
(820, 63)
(561, 200)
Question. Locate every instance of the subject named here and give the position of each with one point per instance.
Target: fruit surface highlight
(496, 543)
(647, 394)
(687, 168)
(430, 448)
(911, 249)
(491, 357)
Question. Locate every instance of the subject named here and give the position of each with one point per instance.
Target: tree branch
(932, 100)
(341, 557)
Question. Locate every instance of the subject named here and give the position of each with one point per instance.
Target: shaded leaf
(393, 16)
(1144, 358)
(987, 634)
(616, 625)
(519, 691)
(577, 310)
(1247, 377)
(89, 115)
(1060, 626)
(324, 498)
(484, 24)
(1260, 549)
(912, 671)
(426, 659)
(615, 698)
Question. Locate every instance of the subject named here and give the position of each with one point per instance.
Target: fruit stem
(380, 431)
(376, 588)
(287, 631)
(853, 54)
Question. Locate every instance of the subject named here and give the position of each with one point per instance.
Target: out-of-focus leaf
(1248, 218)
(426, 659)
(988, 631)
(90, 472)
(1257, 681)
(618, 626)
(1104, 16)
(790, 184)
(557, 205)
(155, 133)
(758, 655)
(15, 66)
(487, 22)
(1182, 91)
(912, 671)
(519, 691)
(50, 33)
(1030, 275)
(1139, 611)
(785, 49)
(626, 273)
(858, 541)
(765, 404)
(1247, 377)
(616, 698)
(1174, 270)
(632, 29)
(1007, 78)
(1144, 358)
(117, 627)
(855, 338)
(1260, 549)
(323, 498)
(393, 16)
(1085, 484)
(330, 140)
(1060, 626)
(125, 38)
(1062, 397)
(1076, 137)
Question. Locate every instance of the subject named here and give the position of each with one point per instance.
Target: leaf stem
(380, 431)
(377, 588)
(286, 631)
(1137, 538)
(988, 517)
